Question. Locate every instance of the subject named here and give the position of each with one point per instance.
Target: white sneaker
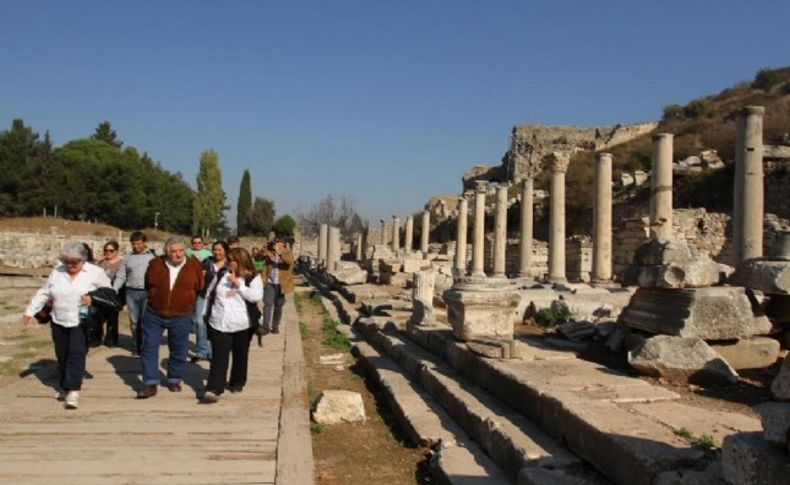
(72, 400)
(60, 395)
(210, 397)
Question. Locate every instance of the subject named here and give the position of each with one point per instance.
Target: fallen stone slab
(747, 459)
(749, 353)
(414, 265)
(346, 277)
(457, 464)
(776, 421)
(699, 421)
(716, 313)
(780, 387)
(769, 276)
(576, 331)
(335, 406)
(681, 360)
(544, 476)
(711, 475)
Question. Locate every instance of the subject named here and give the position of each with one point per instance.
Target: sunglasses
(109, 250)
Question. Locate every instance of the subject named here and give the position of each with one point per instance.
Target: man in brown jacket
(172, 282)
(278, 281)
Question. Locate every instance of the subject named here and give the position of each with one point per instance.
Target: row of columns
(408, 240)
(328, 246)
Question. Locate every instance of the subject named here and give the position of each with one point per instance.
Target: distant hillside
(704, 123)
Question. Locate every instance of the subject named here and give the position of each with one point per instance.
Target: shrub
(673, 112)
(697, 108)
(557, 313)
(765, 79)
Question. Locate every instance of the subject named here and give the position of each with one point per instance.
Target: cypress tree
(244, 206)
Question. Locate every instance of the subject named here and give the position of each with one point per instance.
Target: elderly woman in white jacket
(231, 307)
(68, 286)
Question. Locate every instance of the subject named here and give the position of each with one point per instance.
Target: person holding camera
(279, 282)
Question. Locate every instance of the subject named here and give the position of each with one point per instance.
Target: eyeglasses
(109, 250)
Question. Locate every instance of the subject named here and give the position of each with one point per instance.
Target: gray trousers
(273, 301)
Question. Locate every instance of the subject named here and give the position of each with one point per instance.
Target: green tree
(285, 224)
(18, 150)
(765, 79)
(244, 206)
(105, 133)
(210, 199)
(261, 216)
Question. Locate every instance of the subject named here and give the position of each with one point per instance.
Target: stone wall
(540, 257)
(578, 259)
(37, 250)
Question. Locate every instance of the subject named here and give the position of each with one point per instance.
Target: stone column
(333, 248)
(395, 234)
(602, 219)
(559, 165)
(422, 298)
(460, 235)
(358, 247)
(479, 226)
(426, 231)
(525, 243)
(500, 231)
(748, 204)
(383, 232)
(408, 239)
(323, 231)
(661, 187)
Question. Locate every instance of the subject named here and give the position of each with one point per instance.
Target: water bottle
(84, 310)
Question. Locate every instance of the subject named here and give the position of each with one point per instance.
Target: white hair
(74, 250)
(173, 240)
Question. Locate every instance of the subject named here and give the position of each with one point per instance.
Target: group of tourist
(214, 294)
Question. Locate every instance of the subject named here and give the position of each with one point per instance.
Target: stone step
(512, 441)
(578, 403)
(458, 460)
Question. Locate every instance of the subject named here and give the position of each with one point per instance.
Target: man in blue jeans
(173, 282)
(131, 278)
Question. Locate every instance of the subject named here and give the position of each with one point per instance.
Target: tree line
(97, 178)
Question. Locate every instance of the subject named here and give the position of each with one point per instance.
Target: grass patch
(303, 330)
(317, 428)
(704, 442)
(299, 303)
(333, 337)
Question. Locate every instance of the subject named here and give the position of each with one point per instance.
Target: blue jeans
(177, 342)
(202, 344)
(136, 301)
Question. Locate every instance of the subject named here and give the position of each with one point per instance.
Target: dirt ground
(351, 453)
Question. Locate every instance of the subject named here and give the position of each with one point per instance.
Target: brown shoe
(147, 391)
(174, 386)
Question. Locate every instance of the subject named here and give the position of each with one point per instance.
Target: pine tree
(105, 133)
(244, 206)
(210, 198)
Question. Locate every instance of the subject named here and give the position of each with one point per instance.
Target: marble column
(358, 247)
(395, 234)
(479, 229)
(748, 203)
(333, 248)
(323, 231)
(426, 231)
(423, 283)
(661, 187)
(383, 241)
(559, 165)
(408, 239)
(460, 235)
(500, 231)
(602, 219)
(525, 242)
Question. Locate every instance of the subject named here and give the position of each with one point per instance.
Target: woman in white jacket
(231, 307)
(68, 286)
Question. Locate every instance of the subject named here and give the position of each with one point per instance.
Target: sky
(384, 102)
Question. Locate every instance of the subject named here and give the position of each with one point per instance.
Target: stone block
(780, 387)
(716, 313)
(768, 276)
(349, 276)
(389, 265)
(336, 405)
(750, 353)
(747, 459)
(681, 360)
(776, 421)
(414, 265)
(480, 311)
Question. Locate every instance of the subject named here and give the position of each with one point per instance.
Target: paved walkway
(170, 438)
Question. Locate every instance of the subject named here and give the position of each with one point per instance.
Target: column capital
(661, 136)
(481, 186)
(752, 110)
(559, 161)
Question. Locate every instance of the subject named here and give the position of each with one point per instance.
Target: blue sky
(385, 102)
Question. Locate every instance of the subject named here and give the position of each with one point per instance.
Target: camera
(270, 245)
